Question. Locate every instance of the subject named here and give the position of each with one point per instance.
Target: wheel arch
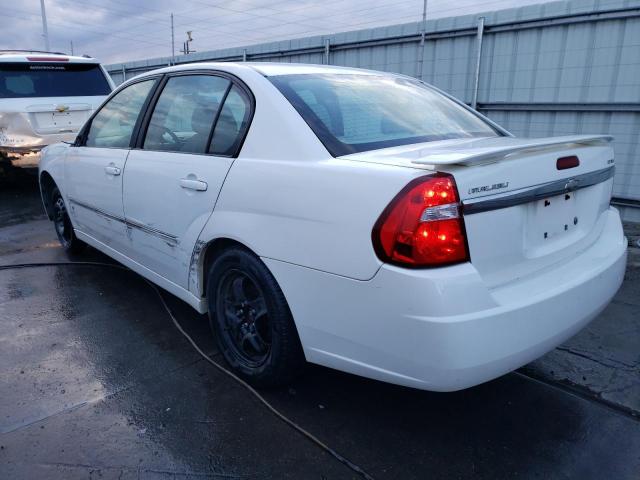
(202, 258)
(205, 253)
(51, 174)
(47, 185)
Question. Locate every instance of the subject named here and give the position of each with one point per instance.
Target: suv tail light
(422, 227)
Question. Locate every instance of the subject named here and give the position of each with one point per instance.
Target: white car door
(94, 167)
(172, 180)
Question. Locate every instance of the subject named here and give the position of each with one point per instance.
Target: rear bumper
(33, 143)
(21, 150)
(27, 155)
(442, 329)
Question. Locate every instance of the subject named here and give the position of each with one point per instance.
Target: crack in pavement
(140, 470)
(617, 364)
(580, 391)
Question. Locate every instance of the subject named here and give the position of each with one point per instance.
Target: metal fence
(553, 69)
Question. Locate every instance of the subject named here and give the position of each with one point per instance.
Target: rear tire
(251, 320)
(62, 223)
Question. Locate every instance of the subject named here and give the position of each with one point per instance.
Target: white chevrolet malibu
(354, 219)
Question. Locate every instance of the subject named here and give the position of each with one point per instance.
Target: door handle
(112, 170)
(192, 184)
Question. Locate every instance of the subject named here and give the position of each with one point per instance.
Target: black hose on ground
(222, 369)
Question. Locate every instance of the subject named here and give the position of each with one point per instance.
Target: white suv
(45, 98)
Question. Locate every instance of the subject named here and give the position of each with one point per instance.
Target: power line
(267, 16)
(323, 30)
(100, 32)
(71, 24)
(154, 39)
(262, 35)
(263, 19)
(319, 30)
(315, 29)
(75, 24)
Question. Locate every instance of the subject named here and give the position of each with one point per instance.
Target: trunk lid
(522, 213)
(24, 118)
(60, 117)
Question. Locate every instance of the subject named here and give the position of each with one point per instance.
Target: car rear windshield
(26, 80)
(353, 113)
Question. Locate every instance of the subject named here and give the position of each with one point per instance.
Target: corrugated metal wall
(552, 69)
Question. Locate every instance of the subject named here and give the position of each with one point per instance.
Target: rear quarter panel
(316, 214)
(287, 199)
(52, 162)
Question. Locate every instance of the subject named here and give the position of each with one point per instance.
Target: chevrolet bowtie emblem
(571, 185)
(62, 108)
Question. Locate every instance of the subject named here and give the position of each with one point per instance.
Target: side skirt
(197, 303)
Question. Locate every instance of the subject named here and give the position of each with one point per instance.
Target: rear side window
(113, 125)
(356, 112)
(28, 79)
(232, 123)
(185, 112)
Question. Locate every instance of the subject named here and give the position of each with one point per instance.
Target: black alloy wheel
(63, 225)
(241, 305)
(251, 320)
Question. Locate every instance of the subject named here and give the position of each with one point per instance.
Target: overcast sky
(121, 30)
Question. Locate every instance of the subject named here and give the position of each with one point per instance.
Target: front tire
(251, 320)
(62, 223)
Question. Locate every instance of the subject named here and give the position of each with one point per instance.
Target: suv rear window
(20, 80)
(353, 113)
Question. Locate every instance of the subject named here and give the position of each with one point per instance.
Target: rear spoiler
(524, 146)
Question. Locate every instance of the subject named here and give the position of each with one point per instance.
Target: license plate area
(65, 119)
(551, 223)
(55, 121)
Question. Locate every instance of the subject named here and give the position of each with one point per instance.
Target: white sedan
(355, 219)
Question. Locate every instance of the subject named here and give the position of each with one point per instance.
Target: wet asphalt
(96, 382)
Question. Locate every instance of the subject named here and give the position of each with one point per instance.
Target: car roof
(41, 56)
(274, 69)
(263, 68)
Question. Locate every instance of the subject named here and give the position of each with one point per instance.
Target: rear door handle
(192, 184)
(112, 170)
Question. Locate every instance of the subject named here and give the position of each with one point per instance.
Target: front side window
(39, 79)
(353, 113)
(113, 125)
(184, 114)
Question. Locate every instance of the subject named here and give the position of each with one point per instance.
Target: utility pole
(327, 51)
(476, 73)
(45, 31)
(423, 35)
(173, 45)
(71, 42)
(424, 21)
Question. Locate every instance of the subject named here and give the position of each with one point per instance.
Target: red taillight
(422, 226)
